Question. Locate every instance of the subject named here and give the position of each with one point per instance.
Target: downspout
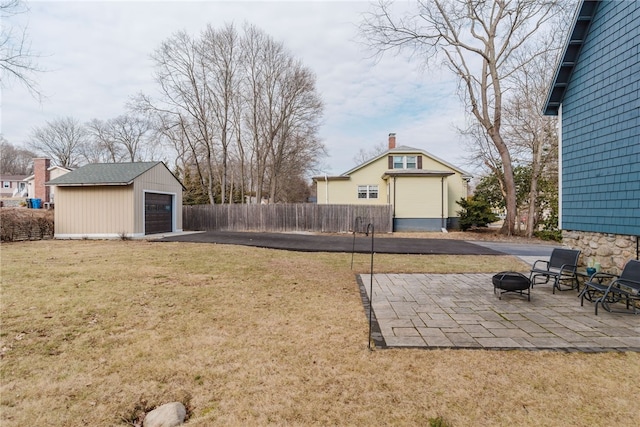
(443, 228)
(326, 189)
(393, 218)
(394, 196)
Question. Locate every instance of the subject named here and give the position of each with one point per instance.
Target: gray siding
(425, 224)
(601, 126)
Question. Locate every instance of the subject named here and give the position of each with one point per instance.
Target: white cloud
(97, 54)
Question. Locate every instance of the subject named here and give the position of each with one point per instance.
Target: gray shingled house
(112, 200)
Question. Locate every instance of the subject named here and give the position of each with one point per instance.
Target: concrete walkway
(527, 252)
(461, 311)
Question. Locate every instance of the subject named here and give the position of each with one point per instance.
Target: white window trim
(405, 162)
(370, 190)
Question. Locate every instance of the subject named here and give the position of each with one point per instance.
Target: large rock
(167, 415)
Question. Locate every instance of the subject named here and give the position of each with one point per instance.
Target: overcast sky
(97, 55)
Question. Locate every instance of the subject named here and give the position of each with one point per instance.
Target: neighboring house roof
(415, 173)
(564, 69)
(32, 177)
(331, 178)
(105, 174)
(403, 149)
(12, 177)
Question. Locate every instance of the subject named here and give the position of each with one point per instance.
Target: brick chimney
(392, 141)
(41, 175)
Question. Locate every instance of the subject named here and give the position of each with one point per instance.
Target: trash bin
(29, 203)
(36, 203)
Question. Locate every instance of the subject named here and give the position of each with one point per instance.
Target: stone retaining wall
(612, 251)
(13, 202)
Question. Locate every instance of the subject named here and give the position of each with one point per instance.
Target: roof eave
(88, 184)
(404, 149)
(566, 63)
(330, 178)
(415, 174)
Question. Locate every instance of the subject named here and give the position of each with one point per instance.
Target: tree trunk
(533, 191)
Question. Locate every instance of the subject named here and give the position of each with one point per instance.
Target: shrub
(25, 224)
(475, 212)
(555, 235)
(438, 422)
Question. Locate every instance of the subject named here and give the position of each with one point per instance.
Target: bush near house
(25, 224)
(475, 212)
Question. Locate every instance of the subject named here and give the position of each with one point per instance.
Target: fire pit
(511, 281)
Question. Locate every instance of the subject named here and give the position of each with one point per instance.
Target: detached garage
(113, 200)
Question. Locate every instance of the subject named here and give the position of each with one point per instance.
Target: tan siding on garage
(99, 210)
(95, 201)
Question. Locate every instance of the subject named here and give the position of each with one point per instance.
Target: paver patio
(461, 311)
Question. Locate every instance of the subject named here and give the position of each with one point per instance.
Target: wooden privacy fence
(287, 217)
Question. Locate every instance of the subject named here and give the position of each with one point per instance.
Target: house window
(6, 184)
(405, 162)
(367, 191)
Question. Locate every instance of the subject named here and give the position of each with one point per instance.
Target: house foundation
(612, 251)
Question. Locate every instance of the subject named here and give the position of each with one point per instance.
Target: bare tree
(102, 148)
(282, 113)
(14, 160)
(238, 110)
(123, 138)
(296, 112)
(480, 42)
(17, 60)
(219, 58)
(61, 139)
(184, 107)
(364, 155)
(252, 50)
(531, 134)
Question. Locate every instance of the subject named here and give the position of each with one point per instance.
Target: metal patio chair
(561, 269)
(625, 287)
(595, 286)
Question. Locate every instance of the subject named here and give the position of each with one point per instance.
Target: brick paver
(461, 311)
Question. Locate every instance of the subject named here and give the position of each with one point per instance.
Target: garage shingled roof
(104, 174)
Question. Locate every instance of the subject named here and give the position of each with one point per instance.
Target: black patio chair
(625, 287)
(561, 268)
(595, 286)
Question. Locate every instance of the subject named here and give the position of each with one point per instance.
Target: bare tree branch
(18, 62)
(482, 43)
(61, 139)
(239, 110)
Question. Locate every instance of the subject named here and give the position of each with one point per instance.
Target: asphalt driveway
(306, 242)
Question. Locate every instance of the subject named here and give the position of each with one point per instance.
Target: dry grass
(95, 333)
(481, 234)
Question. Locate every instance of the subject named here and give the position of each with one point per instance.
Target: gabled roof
(12, 177)
(32, 177)
(403, 149)
(581, 23)
(104, 174)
